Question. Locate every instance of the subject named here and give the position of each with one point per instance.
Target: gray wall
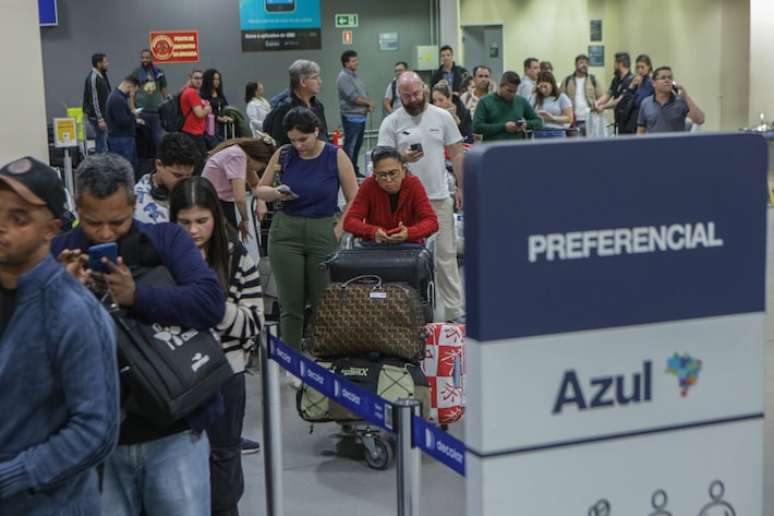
(120, 29)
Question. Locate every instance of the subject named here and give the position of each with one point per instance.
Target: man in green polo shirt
(153, 90)
(503, 115)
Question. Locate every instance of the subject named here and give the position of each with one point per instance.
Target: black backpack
(171, 114)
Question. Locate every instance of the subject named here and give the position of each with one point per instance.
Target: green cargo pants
(297, 247)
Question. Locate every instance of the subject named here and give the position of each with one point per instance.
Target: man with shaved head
(422, 133)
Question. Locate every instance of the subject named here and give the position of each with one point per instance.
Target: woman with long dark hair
(230, 166)
(553, 106)
(305, 231)
(194, 205)
(212, 92)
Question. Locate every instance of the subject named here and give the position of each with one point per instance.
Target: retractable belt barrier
(414, 433)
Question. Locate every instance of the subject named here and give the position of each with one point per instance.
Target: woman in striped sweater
(194, 205)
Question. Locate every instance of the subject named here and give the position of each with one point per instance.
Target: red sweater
(371, 210)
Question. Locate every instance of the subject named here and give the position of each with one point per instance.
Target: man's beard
(415, 109)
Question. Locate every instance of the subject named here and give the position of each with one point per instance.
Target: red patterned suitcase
(444, 366)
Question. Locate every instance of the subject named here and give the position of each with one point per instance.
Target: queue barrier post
(68, 172)
(272, 425)
(409, 458)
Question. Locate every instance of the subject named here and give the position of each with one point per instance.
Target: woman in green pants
(304, 232)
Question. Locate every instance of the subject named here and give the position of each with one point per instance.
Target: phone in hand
(97, 252)
(675, 88)
(393, 231)
(416, 147)
(285, 190)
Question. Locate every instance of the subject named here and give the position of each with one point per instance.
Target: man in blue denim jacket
(163, 471)
(58, 373)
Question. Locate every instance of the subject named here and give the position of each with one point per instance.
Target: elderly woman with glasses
(391, 206)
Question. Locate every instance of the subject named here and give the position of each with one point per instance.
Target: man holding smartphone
(505, 115)
(58, 371)
(666, 110)
(423, 133)
(162, 470)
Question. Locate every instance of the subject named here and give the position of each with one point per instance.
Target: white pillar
(22, 97)
(449, 14)
(761, 60)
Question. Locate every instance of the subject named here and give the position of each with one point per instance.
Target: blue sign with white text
(575, 235)
(280, 24)
(439, 444)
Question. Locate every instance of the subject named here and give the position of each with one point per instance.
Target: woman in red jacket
(391, 206)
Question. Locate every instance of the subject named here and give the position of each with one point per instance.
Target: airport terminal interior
(166, 89)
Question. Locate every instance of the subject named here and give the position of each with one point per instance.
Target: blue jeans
(100, 138)
(353, 140)
(124, 146)
(166, 477)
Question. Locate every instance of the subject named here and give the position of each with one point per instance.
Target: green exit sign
(346, 21)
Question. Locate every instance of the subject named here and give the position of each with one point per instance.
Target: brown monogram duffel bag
(365, 316)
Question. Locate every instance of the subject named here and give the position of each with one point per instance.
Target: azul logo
(605, 391)
(686, 369)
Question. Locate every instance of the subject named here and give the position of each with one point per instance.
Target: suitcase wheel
(378, 452)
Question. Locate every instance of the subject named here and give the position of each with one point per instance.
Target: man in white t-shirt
(422, 133)
(529, 79)
(583, 91)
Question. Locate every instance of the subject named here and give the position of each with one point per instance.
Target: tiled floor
(319, 483)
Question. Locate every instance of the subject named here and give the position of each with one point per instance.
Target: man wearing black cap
(58, 373)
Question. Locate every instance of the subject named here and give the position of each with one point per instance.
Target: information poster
(174, 46)
(65, 132)
(280, 25)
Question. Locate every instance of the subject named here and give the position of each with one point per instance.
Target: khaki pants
(447, 274)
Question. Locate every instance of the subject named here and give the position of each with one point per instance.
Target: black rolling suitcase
(410, 264)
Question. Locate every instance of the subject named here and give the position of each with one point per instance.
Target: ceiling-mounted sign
(280, 25)
(347, 21)
(346, 37)
(179, 46)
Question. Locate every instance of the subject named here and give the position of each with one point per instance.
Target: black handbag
(176, 369)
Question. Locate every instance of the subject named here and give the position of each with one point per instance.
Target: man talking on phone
(164, 471)
(505, 115)
(423, 133)
(58, 372)
(666, 110)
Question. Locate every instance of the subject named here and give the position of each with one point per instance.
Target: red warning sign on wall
(175, 46)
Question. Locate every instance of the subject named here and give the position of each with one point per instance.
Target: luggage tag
(378, 295)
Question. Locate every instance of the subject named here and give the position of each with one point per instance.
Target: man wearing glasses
(305, 84)
(669, 106)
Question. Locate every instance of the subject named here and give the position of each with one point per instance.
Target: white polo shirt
(435, 129)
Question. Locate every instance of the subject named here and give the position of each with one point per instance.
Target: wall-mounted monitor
(48, 14)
